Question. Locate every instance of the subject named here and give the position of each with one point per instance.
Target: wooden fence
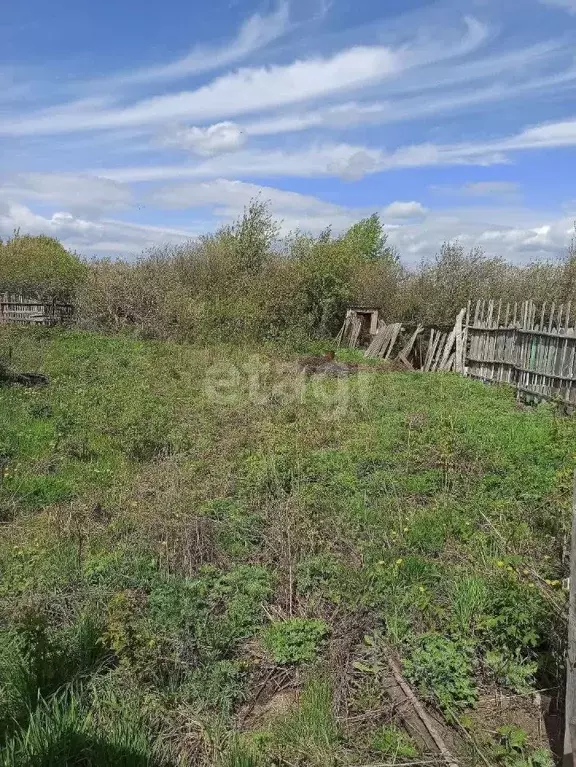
(532, 348)
(23, 310)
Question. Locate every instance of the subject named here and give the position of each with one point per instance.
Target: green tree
(368, 238)
(326, 269)
(38, 264)
(253, 236)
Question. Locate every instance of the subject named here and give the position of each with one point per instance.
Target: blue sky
(128, 124)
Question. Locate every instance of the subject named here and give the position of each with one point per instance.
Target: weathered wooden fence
(530, 347)
(410, 344)
(23, 310)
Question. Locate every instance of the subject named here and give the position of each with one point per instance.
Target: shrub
(443, 671)
(393, 742)
(516, 618)
(512, 671)
(513, 750)
(295, 640)
(39, 264)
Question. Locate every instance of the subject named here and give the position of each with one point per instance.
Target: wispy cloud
(490, 188)
(256, 33)
(232, 196)
(252, 90)
(566, 5)
(247, 90)
(90, 237)
(80, 193)
(349, 114)
(353, 162)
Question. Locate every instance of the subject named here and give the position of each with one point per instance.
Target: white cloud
(246, 90)
(255, 89)
(517, 234)
(81, 193)
(234, 195)
(566, 5)
(354, 166)
(399, 210)
(490, 188)
(552, 134)
(215, 139)
(90, 237)
(256, 33)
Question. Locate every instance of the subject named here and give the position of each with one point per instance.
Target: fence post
(570, 707)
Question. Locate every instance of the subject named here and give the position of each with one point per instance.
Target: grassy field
(204, 563)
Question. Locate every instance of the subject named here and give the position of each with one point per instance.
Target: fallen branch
(421, 712)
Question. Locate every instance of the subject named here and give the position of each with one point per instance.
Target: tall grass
(64, 730)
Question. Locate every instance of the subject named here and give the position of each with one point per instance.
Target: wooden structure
(360, 325)
(530, 347)
(23, 310)
(403, 342)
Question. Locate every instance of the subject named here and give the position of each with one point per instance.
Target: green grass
(181, 550)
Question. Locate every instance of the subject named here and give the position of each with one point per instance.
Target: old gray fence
(530, 347)
(23, 310)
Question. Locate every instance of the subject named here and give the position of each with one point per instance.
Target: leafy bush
(295, 640)
(512, 671)
(204, 618)
(443, 671)
(39, 264)
(393, 742)
(512, 749)
(216, 686)
(516, 617)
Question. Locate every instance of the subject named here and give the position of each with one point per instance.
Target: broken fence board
(396, 328)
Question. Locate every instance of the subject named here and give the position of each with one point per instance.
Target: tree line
(245, 282)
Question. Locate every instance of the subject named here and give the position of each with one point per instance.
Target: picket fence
(530, 347)
(24, 310)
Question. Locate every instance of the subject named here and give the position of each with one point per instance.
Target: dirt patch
(269, 706)
(535, 714)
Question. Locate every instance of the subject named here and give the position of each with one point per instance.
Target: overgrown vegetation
(188, 578)
(205, 559)
(39, 265)
(244, 282)
(247, 283)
